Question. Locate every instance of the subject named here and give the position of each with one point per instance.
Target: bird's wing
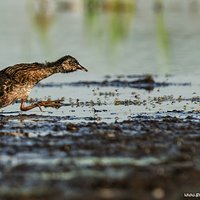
(20, 73)
(4, 83)
(13, 72)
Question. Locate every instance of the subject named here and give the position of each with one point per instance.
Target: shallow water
(116, 101)
(150, 41)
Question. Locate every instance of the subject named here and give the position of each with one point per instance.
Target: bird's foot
(53, 104)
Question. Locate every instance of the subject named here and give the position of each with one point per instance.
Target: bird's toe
(54, 104)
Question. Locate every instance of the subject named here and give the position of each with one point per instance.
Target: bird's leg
(26, 108)
(53, 104)
(49, 103)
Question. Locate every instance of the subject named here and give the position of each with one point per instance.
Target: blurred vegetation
(109, 20)
(110, 5)
(42, 17)
(162, 34)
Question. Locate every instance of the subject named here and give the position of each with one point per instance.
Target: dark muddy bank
(146, 82)
(142, 158)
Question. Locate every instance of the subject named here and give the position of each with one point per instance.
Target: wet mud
(143, 155)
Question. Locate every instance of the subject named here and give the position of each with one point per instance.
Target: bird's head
(69, 64)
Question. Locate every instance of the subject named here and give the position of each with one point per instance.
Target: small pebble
(158, 193)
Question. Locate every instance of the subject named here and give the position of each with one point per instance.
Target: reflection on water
(162, 36)
(80, 161)
(109, 20)
(42, 17)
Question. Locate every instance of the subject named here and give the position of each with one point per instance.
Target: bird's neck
(44, 71)
(53, 67)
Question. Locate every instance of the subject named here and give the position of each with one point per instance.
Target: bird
(17, 81)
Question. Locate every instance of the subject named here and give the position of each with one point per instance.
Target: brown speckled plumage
(17, 81)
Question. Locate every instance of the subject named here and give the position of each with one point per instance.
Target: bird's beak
(80, 67)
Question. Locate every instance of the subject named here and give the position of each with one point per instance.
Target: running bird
(17, 81)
